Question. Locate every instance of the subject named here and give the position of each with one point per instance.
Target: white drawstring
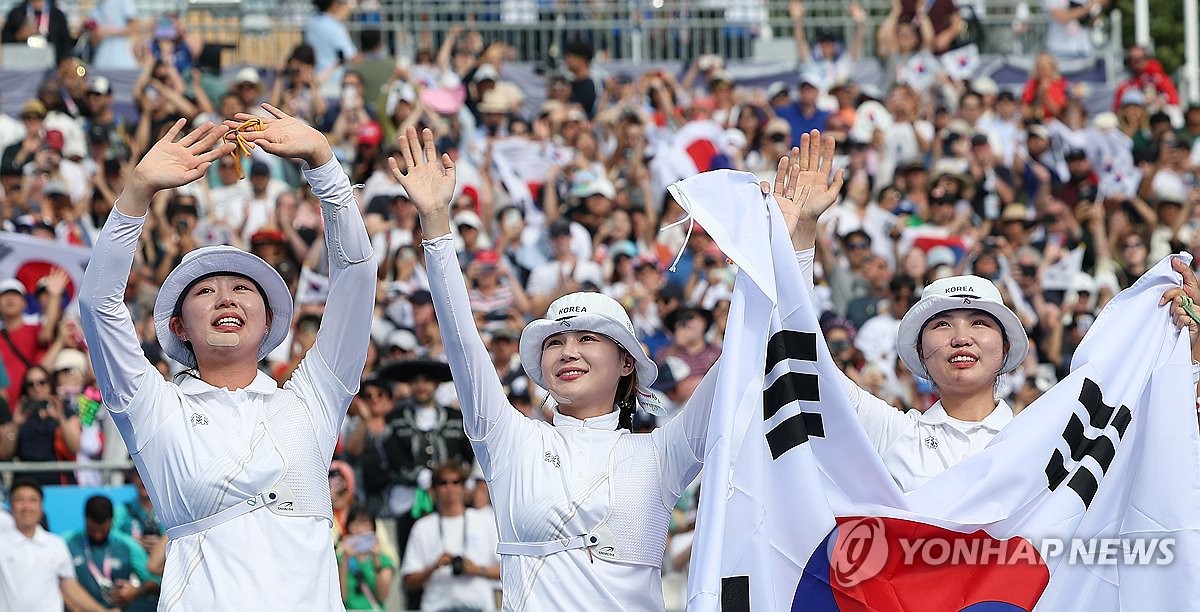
(682, 247)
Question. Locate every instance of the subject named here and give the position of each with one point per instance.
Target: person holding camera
(451, 554)
(365, 570)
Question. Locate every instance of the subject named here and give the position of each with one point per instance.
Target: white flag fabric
(28, 259)
(1089, 499)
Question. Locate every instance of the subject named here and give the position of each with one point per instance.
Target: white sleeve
(491, 422)
(882, 421)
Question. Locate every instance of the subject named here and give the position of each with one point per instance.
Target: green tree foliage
(1166, 28)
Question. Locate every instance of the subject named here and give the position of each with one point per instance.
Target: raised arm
(114, 347)
(346, 324)
(796, 12)
(430, 185)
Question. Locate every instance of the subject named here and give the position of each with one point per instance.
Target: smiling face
(218, 310)
(962, 349)
(26, 508)
(584, 368)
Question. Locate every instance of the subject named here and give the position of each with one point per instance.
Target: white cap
(953, 293)
(593, 312)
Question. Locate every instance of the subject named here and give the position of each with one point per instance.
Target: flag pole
(1191, 46)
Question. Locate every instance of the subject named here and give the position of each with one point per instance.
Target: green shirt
(119, 559)
(360, 574)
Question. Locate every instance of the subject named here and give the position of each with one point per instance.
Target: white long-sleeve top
(915, 446)
(201, 449)
(553, 481)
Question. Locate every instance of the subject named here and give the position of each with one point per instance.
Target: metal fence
(640, 31)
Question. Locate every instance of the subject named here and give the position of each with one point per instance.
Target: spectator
(452, 553)
(689, 329)
(577, 56)
(495, 293)
(365, 569)
(1147, 74)
(899, 39)
(171, 44)
(1069, 34)
(38, 23)
(138, 518)
(110, 565)
(17, 154)
(804, 114)
(296, 89)
(248, 86)
(371, 429)
(1045, 93)
(104, 124)
(423, 435)
(943, 16)
(25, 344)
(36, 572)
(565, 273)
(326, 32)
(112, 29)
(831, 62)
(46, 429)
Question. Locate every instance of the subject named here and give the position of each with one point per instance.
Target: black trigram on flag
(1101, 448)
(790, 387)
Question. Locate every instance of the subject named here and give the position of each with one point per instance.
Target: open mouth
(569, 374)
(229, 323)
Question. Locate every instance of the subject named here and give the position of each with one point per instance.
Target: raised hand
(428, 180)
(285, 136)
(170, 164)
(803, 188)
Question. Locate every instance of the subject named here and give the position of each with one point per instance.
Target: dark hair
(371, 39)
(579, 48)
(626, 398)
(452, 465)
(27, 482)
(178, 310)
(323, 5)
(98, 509)
(25, 377)
(360, 512)
(305, 54)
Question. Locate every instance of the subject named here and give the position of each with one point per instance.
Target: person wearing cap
(260, 207)
(103, 125)
(235, 464)
(582, 504)
(25, 344)
(495, 291)
(17, 154)
(960, 335)
(565, 272)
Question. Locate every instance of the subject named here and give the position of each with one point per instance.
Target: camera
(456, 565)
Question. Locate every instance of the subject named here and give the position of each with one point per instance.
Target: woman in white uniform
(582, 504)
(236, 467)
(960, 335)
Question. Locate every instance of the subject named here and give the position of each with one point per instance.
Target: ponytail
(627, 400)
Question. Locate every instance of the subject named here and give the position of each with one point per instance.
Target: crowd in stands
(946, 175)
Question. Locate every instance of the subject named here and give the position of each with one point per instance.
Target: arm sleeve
(484, 406)
(681, 441)
(333, 367)
(882, 422)
(113, 345)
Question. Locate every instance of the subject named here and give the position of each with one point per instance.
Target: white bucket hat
(953, 293)
(208, 261)
(594, 312)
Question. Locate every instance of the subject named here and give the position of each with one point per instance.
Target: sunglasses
(41, 382)
(777, 137)
(440, 483)
(857, 246)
